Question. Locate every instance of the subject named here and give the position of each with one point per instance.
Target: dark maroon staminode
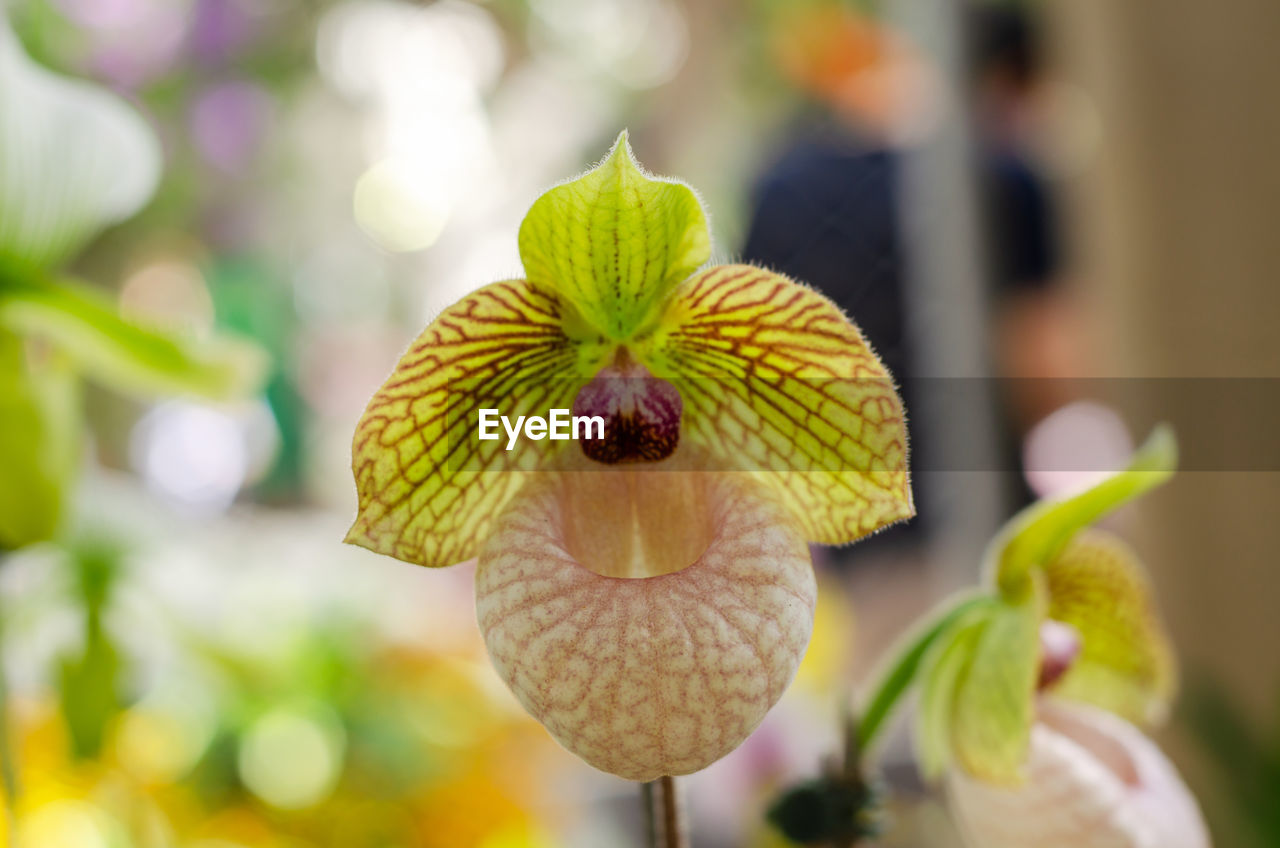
(641, 415)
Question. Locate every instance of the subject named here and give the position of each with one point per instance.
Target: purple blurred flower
(221, 28)
(131, 41)
(103, 14)
(228, 122)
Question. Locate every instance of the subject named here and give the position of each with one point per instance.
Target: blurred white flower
(74, 158)
(1093, 781)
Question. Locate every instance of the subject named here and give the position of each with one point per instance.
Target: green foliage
(1247, 760)
(49, 335)
(74, 159)
(124, 355)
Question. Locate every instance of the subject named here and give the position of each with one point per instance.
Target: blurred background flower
(1050, 218)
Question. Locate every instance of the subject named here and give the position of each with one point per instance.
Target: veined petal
(73, 159)
(776, 381)
(429, 489)
(1126, 664)
(658, 675)
(615, 242)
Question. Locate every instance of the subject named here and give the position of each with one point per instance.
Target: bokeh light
(399, 206)
(640, 43)
(292, 757)
(1074, 447)
(162, 737)
(171, 293)
(70, 824)
(228, 123)
(201, 456)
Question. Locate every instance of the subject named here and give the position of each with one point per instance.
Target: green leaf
(894, 680)
(995, 698)
(39, 444)
(615, 242)
(74, 158)
(942, 668)
(1126, 663)
(1040, 531)
(125, 355)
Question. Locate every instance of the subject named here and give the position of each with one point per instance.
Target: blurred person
(828, 209)
(1034, 323)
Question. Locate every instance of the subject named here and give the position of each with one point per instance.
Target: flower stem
(901, 672)
(650, 820)
(663, 814)
(8, 766)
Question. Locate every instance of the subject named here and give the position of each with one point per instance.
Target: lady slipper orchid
(647, 594)
(73, 158)
(1030, 695)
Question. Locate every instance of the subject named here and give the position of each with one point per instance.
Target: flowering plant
(1032, 698)
(1034, 690)
(649, 596)
(743, 416)
(74, 159)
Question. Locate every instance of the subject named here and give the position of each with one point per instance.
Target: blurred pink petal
(228, 122)
(1059, 646)
(1093, 781)
(220, 28)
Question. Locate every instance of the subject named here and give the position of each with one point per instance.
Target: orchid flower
(647, 596)
(73, 159)
(1032, 693)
